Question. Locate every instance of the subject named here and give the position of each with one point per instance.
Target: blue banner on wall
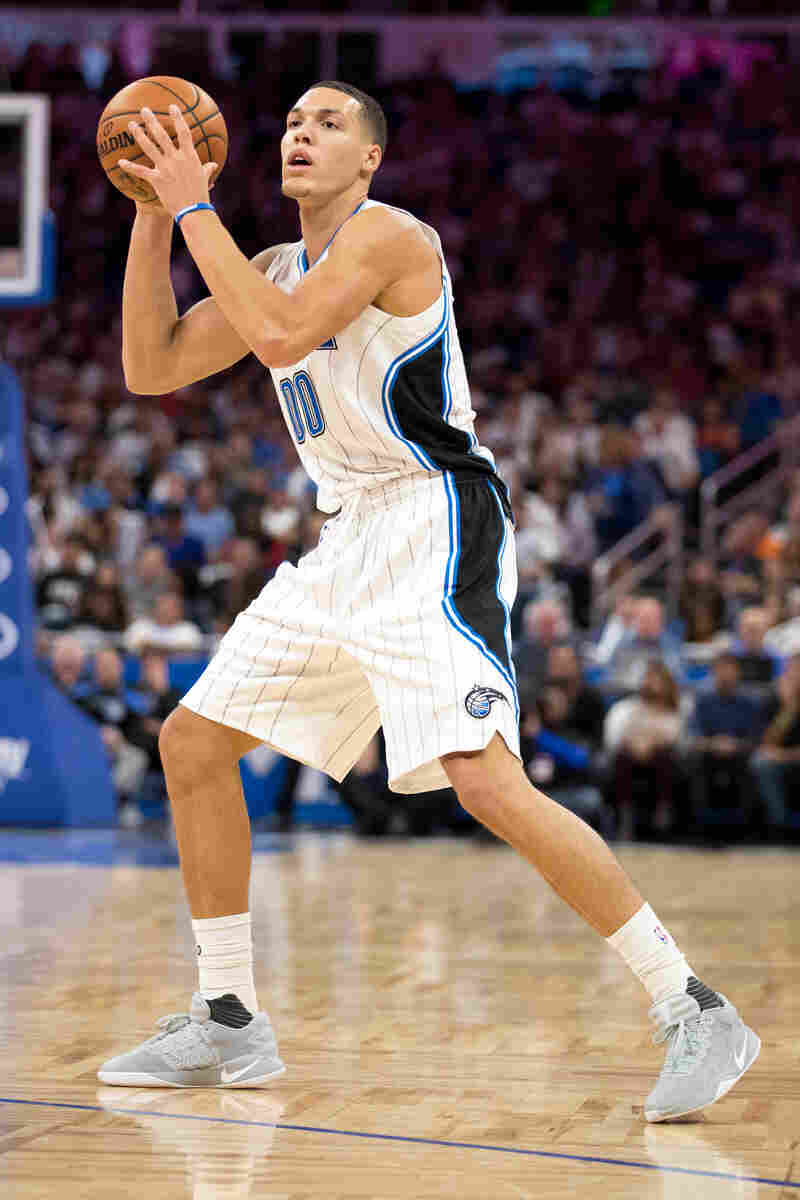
(53, 767)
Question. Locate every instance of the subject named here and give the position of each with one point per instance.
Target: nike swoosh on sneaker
(739, 1057)
(229, 1076)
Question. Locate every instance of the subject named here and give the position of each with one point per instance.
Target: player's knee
(176, 736)
(479, 794)
(192, 746)
(483, 780)
(187, 743)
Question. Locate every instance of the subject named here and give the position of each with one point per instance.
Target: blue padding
(131, 670)
(52, 761)
(183, 672)
(261, 792)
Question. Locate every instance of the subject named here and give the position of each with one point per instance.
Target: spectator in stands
(240, 576)
(724, 728)
(156, 699)
(67, 663)
(758, 664)
(111, 705)
(648, 641)
(60, 591)
(717, 437)
(169, 490)
(624, 489)
(281, 520)
(167, 630)
(702, 609)
(558, 531)
(148, 579)
(641, 736)
(101, 619)
(52, 511)
(741, 566)
(777, 762)
(585, 709)
(127, 522)
(558, 762)
(557, 524)
(532, 571)
(131, 437)
(376, 809)
(208, 520)
(668, 439)
(185, 553)
(784, 639)
(781, 552)
(619, 626)
(580, 433)
(545, 623)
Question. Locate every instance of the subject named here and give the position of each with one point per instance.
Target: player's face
(325, 148)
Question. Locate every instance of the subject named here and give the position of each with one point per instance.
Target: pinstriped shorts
(399, 617)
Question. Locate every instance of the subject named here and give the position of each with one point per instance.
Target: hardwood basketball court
(449, 1026)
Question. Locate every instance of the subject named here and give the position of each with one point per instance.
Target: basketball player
(400, 616)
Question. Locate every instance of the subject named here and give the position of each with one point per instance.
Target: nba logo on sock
(660, 934)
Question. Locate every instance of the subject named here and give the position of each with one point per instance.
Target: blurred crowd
(627, 284)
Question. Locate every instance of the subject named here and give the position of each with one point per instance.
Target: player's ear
(372, 157)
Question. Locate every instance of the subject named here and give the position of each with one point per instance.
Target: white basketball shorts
(399, 617)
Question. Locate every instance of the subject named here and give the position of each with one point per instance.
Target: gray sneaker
(217, 1044)
(709, 1048)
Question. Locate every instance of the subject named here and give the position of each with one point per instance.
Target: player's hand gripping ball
(163, 142)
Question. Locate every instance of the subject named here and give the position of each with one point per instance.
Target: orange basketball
(115, 141)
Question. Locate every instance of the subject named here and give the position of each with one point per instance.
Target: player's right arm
(161, 350)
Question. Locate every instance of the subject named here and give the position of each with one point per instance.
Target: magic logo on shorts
(480, 700)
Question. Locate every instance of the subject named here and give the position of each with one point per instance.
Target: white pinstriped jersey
(385, 399)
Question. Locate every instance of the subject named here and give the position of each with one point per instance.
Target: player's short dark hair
(372, 114)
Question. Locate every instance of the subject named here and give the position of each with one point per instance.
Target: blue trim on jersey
(447, 404)
(506, 609)
(389, 382)
(450, 576)
(302, 258)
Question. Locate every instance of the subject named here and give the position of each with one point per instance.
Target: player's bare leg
(200, 760)
(708, 1045)
(492, 785)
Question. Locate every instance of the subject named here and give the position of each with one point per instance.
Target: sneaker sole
(754, 1043)
(140, 1079)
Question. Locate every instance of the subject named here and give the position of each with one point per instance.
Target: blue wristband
(193, 208)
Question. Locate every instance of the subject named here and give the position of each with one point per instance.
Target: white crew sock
(225, 958)
(651, 954)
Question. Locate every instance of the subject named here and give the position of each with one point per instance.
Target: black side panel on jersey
(418, 402)
(481, 531)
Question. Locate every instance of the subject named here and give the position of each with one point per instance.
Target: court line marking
(417, 1141)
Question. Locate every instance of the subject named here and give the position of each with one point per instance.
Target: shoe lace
(172, 1023)
(687, 1044)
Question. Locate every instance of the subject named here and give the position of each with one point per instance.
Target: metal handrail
(785, 440)
(667, 520)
